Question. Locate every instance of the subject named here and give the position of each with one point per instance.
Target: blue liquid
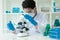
(15, 10)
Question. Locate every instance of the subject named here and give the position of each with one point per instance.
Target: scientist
(29, 6)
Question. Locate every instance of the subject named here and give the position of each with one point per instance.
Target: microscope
(22, 29)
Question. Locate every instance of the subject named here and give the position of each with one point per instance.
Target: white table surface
(33, 36)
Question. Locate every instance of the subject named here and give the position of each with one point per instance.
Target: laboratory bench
(32, 36)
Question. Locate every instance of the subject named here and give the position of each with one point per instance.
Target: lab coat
(42, 20)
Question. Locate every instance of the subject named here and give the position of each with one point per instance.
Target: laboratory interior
(42, 22)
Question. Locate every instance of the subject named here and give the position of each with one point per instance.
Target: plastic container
(55, 33)
(47, 29)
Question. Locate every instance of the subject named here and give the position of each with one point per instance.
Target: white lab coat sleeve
(42, 20)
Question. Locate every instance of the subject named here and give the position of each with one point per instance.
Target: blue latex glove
(10, 26)
(28, 17)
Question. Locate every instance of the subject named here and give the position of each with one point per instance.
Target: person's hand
(37, 29)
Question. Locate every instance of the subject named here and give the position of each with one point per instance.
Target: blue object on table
(56, 23)
(16, 10)
(55, 33)
(28, 17)
(10, 26)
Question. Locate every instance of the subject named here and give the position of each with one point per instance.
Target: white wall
(9, 4)
(1, 25)
(42, 4)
